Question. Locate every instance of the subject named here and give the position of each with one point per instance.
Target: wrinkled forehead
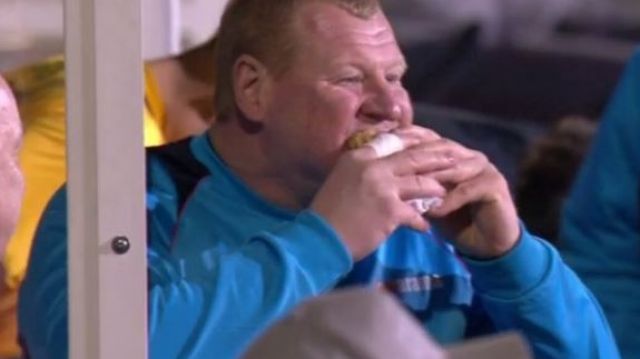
(330, 27)
(331, 21)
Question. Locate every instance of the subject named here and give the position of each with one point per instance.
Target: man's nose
(381, 104)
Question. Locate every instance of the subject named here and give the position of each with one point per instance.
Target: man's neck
(244, 155)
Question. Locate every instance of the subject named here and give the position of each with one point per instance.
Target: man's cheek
(407, 114)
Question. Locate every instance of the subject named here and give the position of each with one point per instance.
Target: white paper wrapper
(386, 144)
(423, 205)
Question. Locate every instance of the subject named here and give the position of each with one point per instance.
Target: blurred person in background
(269, 208)
(600, 231)
(499, 22)
(547, 173)
(11, 190)
(11, 180)
(178, 103)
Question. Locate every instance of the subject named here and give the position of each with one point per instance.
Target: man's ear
(250, 84)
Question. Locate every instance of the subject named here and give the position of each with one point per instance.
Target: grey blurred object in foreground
(369, 325)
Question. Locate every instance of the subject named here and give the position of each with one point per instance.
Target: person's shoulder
(178, 157)
(635, 57)
(633, 66)
(174, 170)
(35, 76)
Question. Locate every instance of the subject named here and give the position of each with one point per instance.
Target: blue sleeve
(216, 316)
(530, 289)
(600, 228)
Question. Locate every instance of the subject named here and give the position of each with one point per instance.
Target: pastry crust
(360, 139)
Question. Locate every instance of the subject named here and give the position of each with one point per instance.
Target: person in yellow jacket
(178, 103)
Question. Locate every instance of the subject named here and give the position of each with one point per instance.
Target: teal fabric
(230, 263)
(600, 231)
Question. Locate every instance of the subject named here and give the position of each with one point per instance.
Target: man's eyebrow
(401, 65)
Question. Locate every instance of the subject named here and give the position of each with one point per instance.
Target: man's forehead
(332, 29)
(330, 21)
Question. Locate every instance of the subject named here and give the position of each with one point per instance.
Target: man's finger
(479, 189)
(411, 218)
(419, 186)
(417, 161)
(417, 134)
(462, 170)
(453, 148)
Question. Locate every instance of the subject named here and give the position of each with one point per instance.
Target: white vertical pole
(107, 291)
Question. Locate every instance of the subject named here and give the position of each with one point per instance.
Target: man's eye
(351, 79)
(394, 78)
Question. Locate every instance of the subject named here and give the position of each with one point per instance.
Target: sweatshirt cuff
(519, 271)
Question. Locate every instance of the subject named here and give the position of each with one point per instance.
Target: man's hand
(477, 213)
(364, 198)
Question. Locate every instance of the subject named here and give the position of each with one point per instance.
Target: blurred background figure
(11, 181)
(178, 83)
(531, 61)
(11, 187)
(600, 233)
(508, 22)
(548, 171)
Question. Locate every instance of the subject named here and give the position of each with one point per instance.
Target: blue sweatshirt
(224, 264)
(600, 231)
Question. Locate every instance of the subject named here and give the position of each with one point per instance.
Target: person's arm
(243, 290)
(600, 224)
(602, 212)
(190, 317)
(522, 282)
(531, 290)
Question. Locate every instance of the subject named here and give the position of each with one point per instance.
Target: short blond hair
(262, 29)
